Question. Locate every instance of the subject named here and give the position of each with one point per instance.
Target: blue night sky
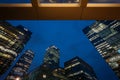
(69, 38)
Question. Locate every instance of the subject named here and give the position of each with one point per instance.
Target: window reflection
(15, 1)
(104, 1)
(59, 1)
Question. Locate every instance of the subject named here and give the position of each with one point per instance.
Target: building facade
(105, 36)
(43, 72)
(52, 57)
(49, 69)
(77, 69)
(21, 67)
(12, 42)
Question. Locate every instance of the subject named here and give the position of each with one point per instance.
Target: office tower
(52, 56)
(12, 42)
(21, 67)
(46, 69)
(105, 36)
(43, 72)
(77, 69)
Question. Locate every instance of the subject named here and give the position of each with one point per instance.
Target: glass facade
(22, 66)
(105, 36)
(49, 69)
(114, 63)
(52, 56)
(43, 72)
(59, 73)
(12, 42)
(74, 69)
(77, 69)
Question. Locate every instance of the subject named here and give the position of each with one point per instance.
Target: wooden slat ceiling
(73, 11)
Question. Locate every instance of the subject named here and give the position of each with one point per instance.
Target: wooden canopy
(59, 11)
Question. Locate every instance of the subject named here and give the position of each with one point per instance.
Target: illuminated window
(21, 33)
(1, 62)
(115, 58)
(114, 65)
(17, 78)
(5, 55)
(20, 64)
(119, 51)
(99, 28)
(44, 76)
(94, 37)
(70, 75)
(75, 64)
(8, 50)
(68, 67)
(7, 39)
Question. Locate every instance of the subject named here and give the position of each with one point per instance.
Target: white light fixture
(17, 78)
(44, 76)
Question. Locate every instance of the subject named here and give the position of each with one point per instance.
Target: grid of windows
(109, 33)
(77, 69)
(23, 64)
(52, 56)
(12, 42)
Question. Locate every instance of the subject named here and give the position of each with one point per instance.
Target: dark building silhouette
(105, 36)
(12, 42)
(77, 69)
(21, 67)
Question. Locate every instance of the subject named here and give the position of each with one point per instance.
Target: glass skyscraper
(74, 69)
(21, 67)
(52, 57)
(105, 36)
(12, 42)
(49, 66)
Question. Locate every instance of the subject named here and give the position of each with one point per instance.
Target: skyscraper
(77, 69)
(21, 67)
(47, 69)
(12, 42)
(105, 36)
(52, 56)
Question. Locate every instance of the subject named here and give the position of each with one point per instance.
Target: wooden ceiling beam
(80, 11)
